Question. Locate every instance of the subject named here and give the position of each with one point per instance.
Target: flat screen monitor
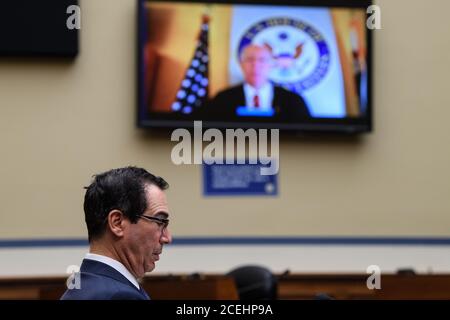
(38, 28)
(301, 66)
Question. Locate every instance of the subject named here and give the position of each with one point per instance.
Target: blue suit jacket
(99, 281)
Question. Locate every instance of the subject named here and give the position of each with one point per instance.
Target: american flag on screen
(193, 90)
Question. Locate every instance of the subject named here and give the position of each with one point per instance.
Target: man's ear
(116, 222)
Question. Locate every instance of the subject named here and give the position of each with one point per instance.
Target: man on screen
(257, 96)
(126, 214)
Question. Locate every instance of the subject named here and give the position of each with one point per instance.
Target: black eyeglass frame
(160, 221)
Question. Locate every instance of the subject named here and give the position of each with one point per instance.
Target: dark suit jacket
(101, 282)
(288, 106)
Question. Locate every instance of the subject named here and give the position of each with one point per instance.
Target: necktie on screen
(256, 101)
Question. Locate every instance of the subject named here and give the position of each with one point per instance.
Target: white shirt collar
(265, 94)
(114, 264)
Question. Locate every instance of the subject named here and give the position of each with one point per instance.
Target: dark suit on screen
(287, 105)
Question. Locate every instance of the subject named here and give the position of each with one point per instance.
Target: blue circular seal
(301, 54)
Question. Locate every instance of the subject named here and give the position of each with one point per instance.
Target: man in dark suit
(257, 96)
(126, 215)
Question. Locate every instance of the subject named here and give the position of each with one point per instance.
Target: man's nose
(166, 236)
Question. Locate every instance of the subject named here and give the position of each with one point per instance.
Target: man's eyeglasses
(160, 221)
